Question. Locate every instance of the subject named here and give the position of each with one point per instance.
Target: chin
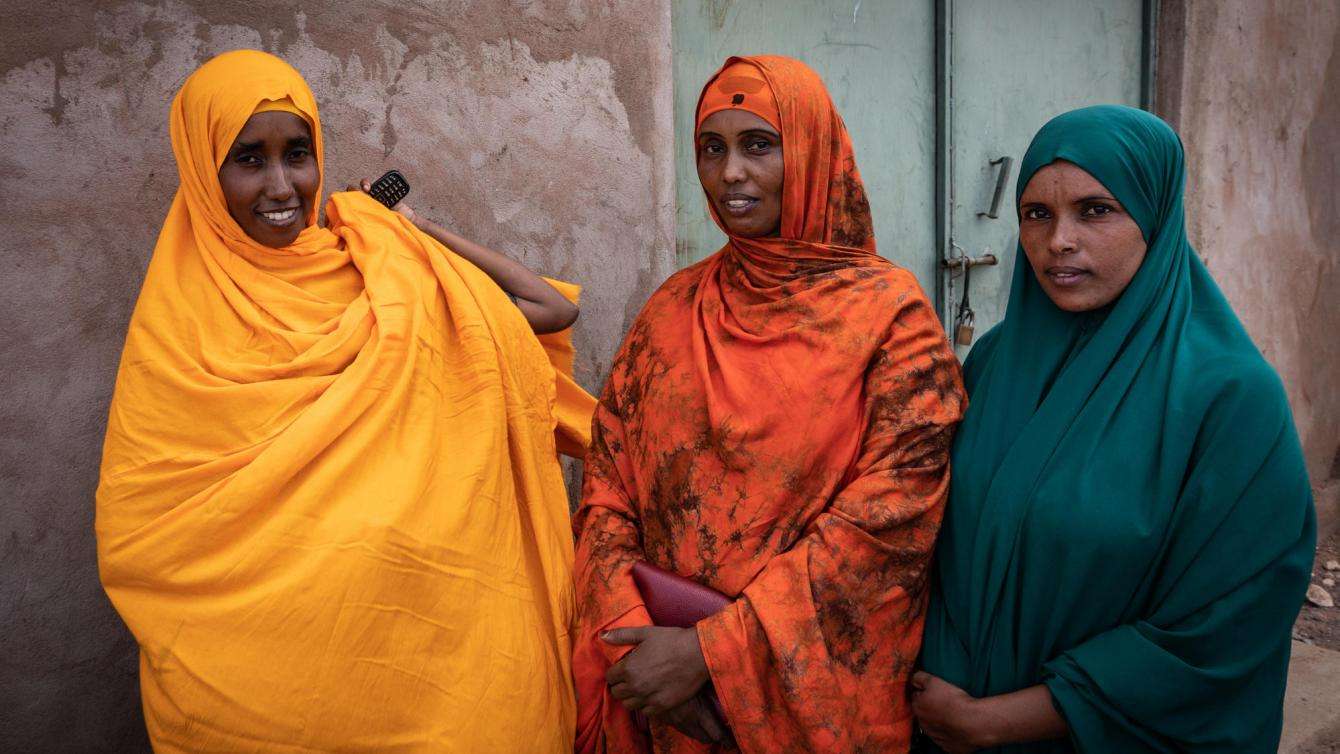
(1077, 304)
(1071, 301)
(277, 242)
(750, 231)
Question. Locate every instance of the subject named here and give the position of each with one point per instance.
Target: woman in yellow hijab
(330, 508)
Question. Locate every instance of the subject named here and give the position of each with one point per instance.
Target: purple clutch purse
(675, 601)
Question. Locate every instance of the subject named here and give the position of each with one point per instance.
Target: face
(740, 167)
(1083, 246)
(270, 178)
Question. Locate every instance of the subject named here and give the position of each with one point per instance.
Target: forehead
(731, 122)
(273, 126)
(1062, 179)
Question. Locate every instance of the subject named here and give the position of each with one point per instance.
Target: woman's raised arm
(543, 307)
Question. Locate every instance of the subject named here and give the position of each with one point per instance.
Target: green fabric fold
(1130, 519)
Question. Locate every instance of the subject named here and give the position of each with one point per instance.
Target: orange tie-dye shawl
(777, 426)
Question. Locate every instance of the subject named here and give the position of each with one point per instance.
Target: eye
(1035, 213)
(758, 146)
(1097, 209)
(248, 159)
(712, 148)
(299, 154)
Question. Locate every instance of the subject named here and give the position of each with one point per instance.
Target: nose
(733, 170)
(1061, 241)
(278, 185)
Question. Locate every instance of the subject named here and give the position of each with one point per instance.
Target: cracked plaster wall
(1254, 89)
(540, 127)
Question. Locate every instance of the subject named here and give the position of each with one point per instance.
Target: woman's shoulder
(1245, 427)
(886, 285)
(1236, 385)
(1224, 365)
(678, 289)
(664, 309)
(1232, 401)
(884, 274)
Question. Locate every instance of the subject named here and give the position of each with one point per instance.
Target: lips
(279, 217)
(738, 204)
(1067, 276)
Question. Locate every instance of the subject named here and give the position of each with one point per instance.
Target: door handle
(988, 259)
(1002, 176)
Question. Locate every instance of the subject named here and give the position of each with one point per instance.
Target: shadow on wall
(540, 128)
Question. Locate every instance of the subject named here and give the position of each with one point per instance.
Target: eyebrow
(248, 146)
(1096, 198)
(746, 132)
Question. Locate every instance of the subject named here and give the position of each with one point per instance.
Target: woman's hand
(947, 714)
(696, 720)
(366, 187)
(665, 670)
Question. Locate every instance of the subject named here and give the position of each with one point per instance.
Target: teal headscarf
(1130, 520)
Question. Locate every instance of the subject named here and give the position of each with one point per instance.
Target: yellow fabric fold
(330, 508)
(574, 406)
(284, 105)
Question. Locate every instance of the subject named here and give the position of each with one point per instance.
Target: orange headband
(740, 86)
(284, 105)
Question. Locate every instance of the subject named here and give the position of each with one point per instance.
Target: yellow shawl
(330, 508)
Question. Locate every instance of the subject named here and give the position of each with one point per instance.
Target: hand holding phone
(390, 189)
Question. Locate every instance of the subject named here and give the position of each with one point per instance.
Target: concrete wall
(1254, 89)
(540, 127)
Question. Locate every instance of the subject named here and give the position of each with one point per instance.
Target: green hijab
(1130, 520)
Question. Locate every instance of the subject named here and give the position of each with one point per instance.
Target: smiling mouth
(739, 205)
(280, 217)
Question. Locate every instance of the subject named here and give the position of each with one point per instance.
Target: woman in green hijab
(1130, 526)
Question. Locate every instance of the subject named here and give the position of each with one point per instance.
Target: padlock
(963, 333)
(964, 321)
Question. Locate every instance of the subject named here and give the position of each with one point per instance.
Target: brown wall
(538, 126)
(1254, 89)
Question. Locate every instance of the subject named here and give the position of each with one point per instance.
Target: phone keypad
(390, 189)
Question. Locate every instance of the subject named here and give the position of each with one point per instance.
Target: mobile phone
(390, 188)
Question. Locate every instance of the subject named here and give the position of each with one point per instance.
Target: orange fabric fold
(330, 509)
(777, 426)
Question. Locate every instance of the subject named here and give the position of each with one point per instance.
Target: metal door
(1012, 66)
(877, 59)
(934, 94)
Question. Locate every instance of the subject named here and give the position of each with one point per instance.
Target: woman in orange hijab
(776, 427)
(330, 508)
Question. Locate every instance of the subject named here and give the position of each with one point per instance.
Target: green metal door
(934, 93)
(877, 59)
(1013, 65)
